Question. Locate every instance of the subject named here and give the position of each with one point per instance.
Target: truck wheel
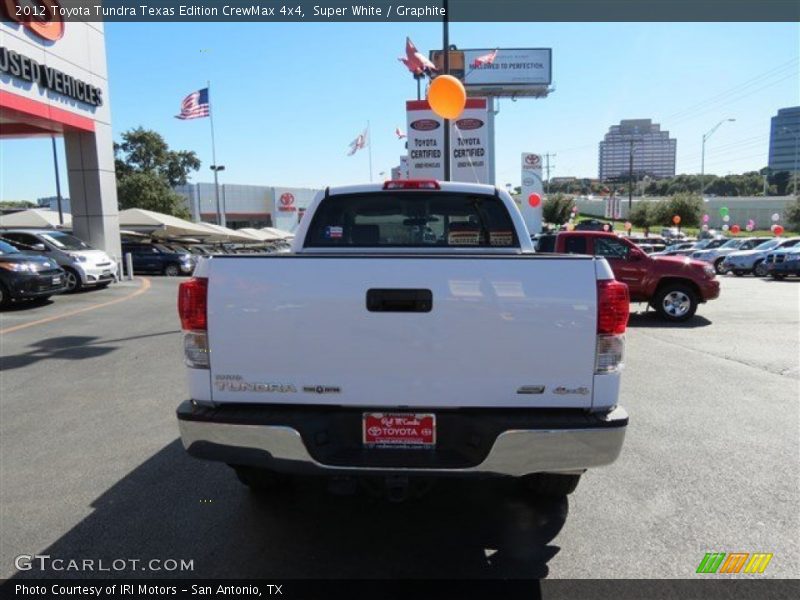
(760, 269)
(718, 267)
(551, 484)
(676, 302)
(261, 480)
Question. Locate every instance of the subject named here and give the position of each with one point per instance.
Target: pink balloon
(706, 218)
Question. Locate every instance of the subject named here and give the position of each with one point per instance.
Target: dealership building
(54, 82)
(247, 205)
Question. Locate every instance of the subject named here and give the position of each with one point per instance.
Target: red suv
(672, 285)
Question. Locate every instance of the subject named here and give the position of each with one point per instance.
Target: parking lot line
(142, 289)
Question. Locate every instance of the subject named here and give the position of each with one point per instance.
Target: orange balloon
(676, 219)
(447, 96)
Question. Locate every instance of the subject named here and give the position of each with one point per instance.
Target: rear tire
(760, 269)
(552, 485)
(675, 302)
(261, 480)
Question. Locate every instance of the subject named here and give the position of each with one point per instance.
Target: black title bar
(278, 11)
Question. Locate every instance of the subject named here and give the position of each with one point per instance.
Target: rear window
(411, 220)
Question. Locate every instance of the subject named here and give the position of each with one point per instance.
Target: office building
(653, 151)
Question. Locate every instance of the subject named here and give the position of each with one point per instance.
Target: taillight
(411, 184)
(613, 307)
(192, 304)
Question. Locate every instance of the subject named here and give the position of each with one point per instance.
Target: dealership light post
(703, 154)
(220, 215)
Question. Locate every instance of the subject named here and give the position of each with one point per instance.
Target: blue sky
(289, 98)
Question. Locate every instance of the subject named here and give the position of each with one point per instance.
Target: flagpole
(369, 143)
(214, 154)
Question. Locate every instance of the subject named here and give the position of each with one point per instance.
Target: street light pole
(703, 154)
(220, 215)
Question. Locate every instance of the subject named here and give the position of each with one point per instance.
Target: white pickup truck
(411, 331)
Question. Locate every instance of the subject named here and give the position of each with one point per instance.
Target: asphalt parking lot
(91, 465)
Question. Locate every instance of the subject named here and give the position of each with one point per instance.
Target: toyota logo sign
(40, 17)
(287, 199)
(533, 160)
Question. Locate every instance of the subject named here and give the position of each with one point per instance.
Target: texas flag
(486, 59)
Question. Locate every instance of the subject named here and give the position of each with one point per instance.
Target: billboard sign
(513, 72)
(532, 191)
(469, 143)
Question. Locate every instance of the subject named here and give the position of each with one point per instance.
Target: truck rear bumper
(513, 442)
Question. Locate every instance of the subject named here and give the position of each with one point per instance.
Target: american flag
(486, 59)
(195, 105)
(358, 143)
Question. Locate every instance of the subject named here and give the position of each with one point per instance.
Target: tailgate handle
(408, 300)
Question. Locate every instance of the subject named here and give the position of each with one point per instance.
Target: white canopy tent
(35, 218)
(286, 235)
(261, 235)
(161, 225)
(225, 234)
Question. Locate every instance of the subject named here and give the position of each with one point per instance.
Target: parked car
(672, 285)
(752, 261)
(158, 258)
(27, 277)
(716, 256)
(673, 233)
(592, 225)
(654, 243)
(680, 249)
(84, 265)
(365, 286)
(785, 262)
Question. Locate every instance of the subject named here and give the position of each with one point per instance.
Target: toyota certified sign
(40, 17)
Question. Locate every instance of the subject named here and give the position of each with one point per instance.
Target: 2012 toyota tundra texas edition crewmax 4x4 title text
(411, 331)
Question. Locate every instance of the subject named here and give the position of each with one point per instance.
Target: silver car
(753, 261)
(716, 256)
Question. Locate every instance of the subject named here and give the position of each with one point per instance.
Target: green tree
(792, 214)
(150, 191)
(17, 204)
(147, 170)
(557, 209)
(642, 214)
(687, 206)
(145, 151)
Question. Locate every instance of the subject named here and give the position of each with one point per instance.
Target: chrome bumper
(514, 452)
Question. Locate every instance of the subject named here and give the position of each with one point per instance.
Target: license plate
(399, 430)
(56, 280)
